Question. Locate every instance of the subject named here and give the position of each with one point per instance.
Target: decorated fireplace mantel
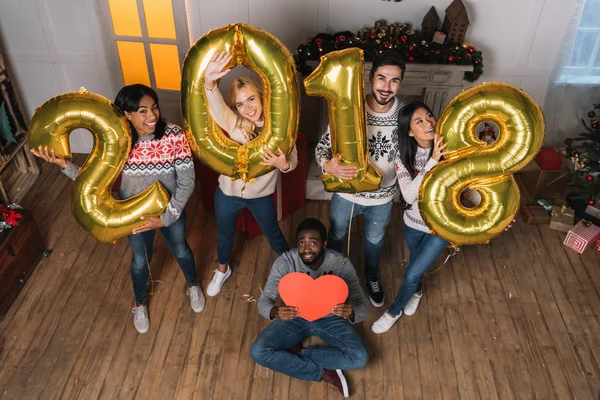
(433, 84)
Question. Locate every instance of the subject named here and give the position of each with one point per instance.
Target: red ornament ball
(386, 45)
(471, 49)
(450, 58)
(594, 124)
(319, 42)
(591, 114)
(403, 38)
(591, 202)
(589, 178)
(477, 61)
(372, 35)
(411, 58)
(410, 48)
(341, 38)
(437, 52)
(425, 53)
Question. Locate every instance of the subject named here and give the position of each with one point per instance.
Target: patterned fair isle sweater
(382, 138)
(333, 264)
(409, 187)
(168, 160)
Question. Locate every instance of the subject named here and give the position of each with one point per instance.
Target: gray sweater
(334, 263)
(168, 160)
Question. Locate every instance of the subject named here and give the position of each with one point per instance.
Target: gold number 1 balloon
(470, 163)
(339, 78)
(105, 218)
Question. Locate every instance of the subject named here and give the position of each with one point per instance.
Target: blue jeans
(424, 250)
(227, 209)
(344, 350)
(142, 245)
(377, 219)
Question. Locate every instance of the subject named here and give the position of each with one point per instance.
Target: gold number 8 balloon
(470, 163)
(104, 217)
(265, 54)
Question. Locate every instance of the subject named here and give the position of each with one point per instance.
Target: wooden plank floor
(516, 319)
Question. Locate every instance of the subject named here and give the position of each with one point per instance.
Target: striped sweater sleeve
(71, 170)
(410, 186)
(323, 150)
(185, 178)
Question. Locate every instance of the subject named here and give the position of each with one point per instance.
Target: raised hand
(438, 147)
(214, 70)
(49, 156)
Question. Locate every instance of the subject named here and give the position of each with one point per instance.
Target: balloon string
(456, 250)
(350, 229)
(152, 292)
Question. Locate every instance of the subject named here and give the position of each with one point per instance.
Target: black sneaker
(375, 291)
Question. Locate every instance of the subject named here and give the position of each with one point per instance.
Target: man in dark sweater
(279, 346)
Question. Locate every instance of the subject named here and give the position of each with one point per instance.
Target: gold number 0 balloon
(265, 54)
(472, 164)
(105, 218)
(340, 79)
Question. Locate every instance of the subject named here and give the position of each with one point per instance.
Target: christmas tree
(584, 151)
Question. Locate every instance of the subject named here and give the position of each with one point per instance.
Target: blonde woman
(243, 119)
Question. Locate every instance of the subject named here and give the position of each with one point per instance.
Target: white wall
(52, 47)
(52, 53)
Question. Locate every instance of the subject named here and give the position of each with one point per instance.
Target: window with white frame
(146, 41)
(583, 62)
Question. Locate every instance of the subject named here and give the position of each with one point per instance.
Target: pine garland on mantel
(412, 44)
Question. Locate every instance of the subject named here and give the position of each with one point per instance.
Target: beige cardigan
(264, 185)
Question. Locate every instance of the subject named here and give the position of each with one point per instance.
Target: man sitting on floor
(279, 346)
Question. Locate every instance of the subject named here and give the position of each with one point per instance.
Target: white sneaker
(140, 319)
(214, 287)
(197, 300)
(384, 323)
(411, 307)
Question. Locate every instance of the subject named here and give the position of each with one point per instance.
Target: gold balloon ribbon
(339, 78)
(248, 298)
(100, 214)
(263, 53)
(564, 211)
(470, 163)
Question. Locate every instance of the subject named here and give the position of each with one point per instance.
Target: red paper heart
(314, 298)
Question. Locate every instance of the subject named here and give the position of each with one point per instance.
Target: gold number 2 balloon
(470, 163)
(265, 54)
(339, 78)
(105, 218)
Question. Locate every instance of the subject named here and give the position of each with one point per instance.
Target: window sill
(583, 80)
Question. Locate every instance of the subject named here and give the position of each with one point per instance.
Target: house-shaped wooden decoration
(456, 22)
(430, 23)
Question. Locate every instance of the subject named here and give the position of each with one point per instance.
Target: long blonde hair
(242, 122)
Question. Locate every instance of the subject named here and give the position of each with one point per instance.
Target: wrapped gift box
(289, 195)
(539, 183)
(593, 211)
(535, 215)
(549, 159)
(562, 218)
(582, 236)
